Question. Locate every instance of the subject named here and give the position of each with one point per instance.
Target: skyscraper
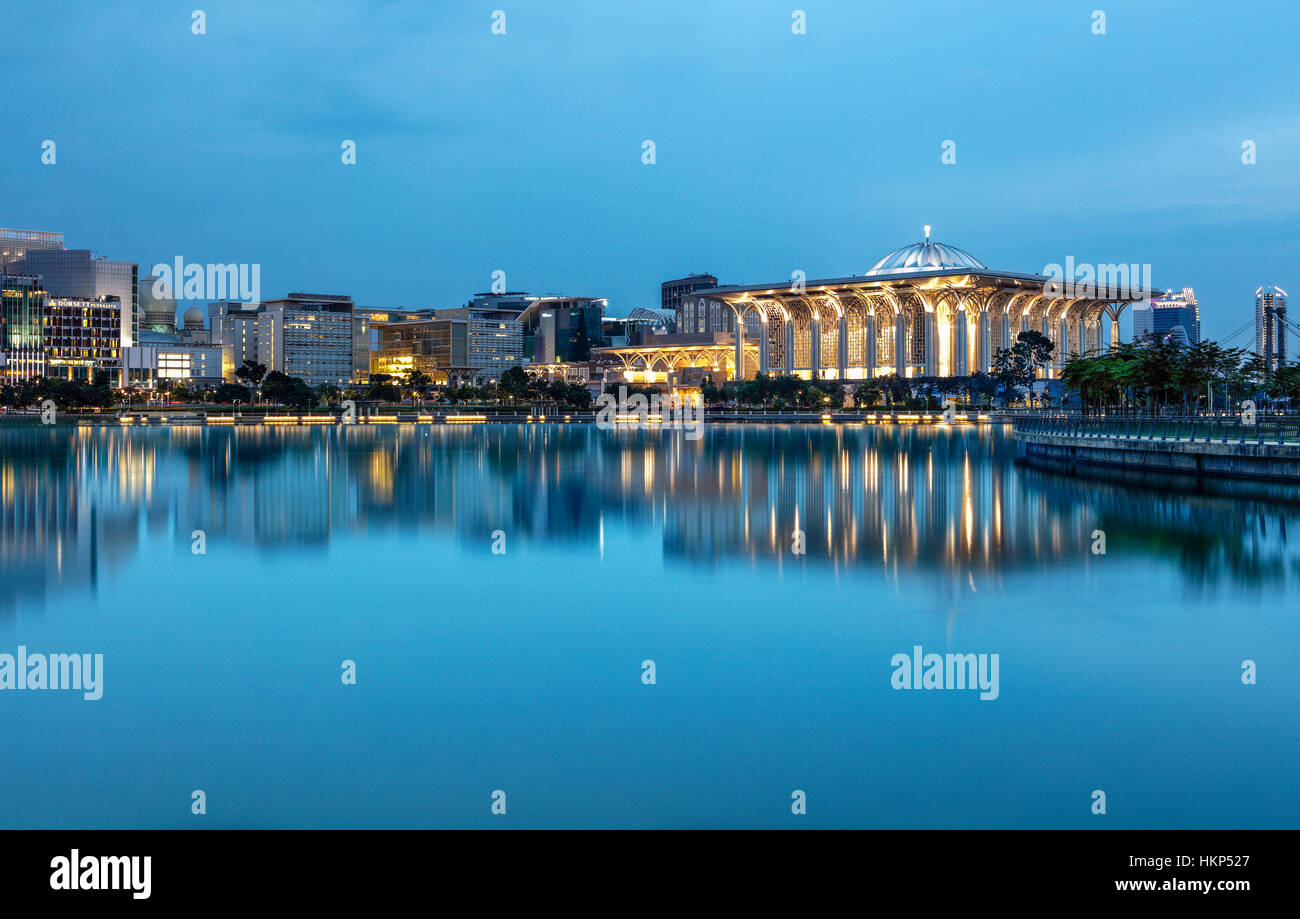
(1270, 326)
(1169, 316)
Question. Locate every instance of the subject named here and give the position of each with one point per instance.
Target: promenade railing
(1266, 429)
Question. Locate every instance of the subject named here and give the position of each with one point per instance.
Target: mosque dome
(925, 256)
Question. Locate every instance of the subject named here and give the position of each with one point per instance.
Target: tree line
(1153, 375)
(255, 385)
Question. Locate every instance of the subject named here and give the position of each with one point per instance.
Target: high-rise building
(309, 336)
(84, 275)
(693, 312)
(1270, 327)
(1173, 316)
(22, 322)
(15, 244)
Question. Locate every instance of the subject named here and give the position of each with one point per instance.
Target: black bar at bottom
(658, 871)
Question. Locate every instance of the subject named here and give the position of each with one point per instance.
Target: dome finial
(927, 232)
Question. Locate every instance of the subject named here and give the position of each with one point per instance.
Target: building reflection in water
(74, 500)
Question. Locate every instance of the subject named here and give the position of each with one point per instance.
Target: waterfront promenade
(524, 415)
(1228, 446)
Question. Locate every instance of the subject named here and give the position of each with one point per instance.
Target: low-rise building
(160, 357)
(451, 346)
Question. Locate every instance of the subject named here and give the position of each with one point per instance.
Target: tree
(286, 390)
(416, 380)
(328, 394)
(251, 372)
(232, 392)
(868, 394)
(1035, 349)
(1011, 370)
(515, 383)
(980, 388)
(382, 389)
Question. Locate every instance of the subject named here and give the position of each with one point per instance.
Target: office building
(161, 357)
(693, 313)
(22, 317)
(1174, 316)
(451, 345)
(438, 348)
(512, 301)
(494, 339)
(365, 344)
(84, 275)
(311, 337)
(563, 328)
(232, 324)
(15, 244)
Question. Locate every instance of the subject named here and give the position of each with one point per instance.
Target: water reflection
(73, 500)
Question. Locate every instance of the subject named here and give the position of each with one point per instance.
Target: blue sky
(775, 151)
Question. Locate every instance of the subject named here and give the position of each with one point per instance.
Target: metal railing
(1267, 429)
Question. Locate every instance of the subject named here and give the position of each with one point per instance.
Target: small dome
(925, 256)
(194, 317)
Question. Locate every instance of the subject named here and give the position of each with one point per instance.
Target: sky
(775, 152)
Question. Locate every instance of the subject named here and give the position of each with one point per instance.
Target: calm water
(522, 671)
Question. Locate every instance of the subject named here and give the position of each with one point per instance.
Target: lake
(634, 629)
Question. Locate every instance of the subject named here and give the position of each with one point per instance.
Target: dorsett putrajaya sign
(924, 310)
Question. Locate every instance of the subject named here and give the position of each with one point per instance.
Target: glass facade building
(1270, 326)
(563, 328)
(22, 340)
(1173, 316)
(81, 274)
(437, 347)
